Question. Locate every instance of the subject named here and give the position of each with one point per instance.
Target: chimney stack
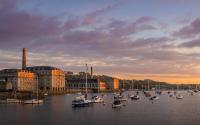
(91, 72)
(24, 59)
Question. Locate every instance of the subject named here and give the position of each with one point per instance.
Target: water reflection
(58, 110)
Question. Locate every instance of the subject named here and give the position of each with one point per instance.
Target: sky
(128, 39)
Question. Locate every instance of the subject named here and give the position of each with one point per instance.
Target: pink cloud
(91, 17)
(191, 30)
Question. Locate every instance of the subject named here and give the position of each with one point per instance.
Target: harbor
(58, 110)
(99, 62)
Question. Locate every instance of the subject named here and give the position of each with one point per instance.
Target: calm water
(58, 111)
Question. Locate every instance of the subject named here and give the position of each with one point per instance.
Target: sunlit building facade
(78, 82)
(111, 82)
(50, 79)
(21, 80)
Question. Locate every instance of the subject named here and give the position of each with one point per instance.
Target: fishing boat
(117, 103)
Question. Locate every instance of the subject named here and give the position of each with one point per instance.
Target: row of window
(83, 85)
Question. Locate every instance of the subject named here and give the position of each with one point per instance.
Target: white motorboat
(153, 98)
(179, 96)
(97, 99)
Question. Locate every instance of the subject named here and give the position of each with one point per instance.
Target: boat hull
(117, 106)
(33, 101)
(80, 104)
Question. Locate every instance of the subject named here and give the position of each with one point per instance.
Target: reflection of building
(49, 78)
(21, 80)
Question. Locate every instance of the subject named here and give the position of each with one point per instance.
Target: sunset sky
(132, 39)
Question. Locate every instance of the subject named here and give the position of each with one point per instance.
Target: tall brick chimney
(24, 59)
(91, 72)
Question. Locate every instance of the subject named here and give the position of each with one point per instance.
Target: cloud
(189, 31)
(191, 44)
(91, 17)
(112, 46)
(124, 28)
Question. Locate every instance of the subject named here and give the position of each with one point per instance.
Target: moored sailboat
(82, 101)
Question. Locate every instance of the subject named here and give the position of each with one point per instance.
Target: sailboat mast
(132, 85)
(37, 86)
(86, 79)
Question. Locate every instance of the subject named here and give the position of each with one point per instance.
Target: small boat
(153, 98)
(147, 94)
(175, 92)
(120, 97)
(159, 92)
(81, 101)
(34, 101)
(97, 99)
(192, 93)
(103, 95)
(135, 97)
(13, 101)
(117, 103)
(179, 96)
(171, 95)
(79, 93)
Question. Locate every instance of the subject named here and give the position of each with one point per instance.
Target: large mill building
(48, 78)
